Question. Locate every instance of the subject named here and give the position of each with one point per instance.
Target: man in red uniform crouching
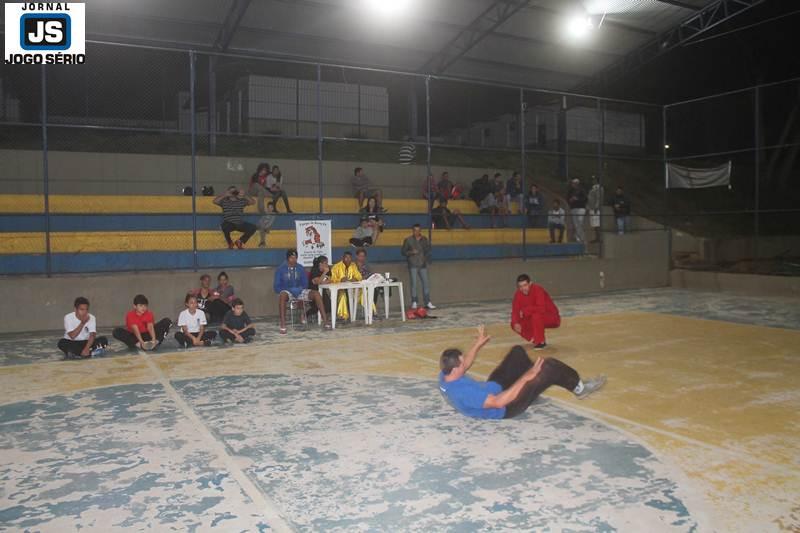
(532, 311)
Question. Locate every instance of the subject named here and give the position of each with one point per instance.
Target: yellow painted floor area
(718, 400)
(139, 241)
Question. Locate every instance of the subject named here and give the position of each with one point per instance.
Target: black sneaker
(540, 346)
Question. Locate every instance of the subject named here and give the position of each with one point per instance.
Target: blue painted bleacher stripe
(132, 261)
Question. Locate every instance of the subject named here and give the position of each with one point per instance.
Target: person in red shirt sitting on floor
(141, 329)
(532, 311)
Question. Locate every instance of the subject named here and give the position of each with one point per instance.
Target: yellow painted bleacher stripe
(142, 241)
(108, 204)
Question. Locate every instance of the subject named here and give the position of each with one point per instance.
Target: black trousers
(516, 363)
(186, 342)
(216, 309)
(70, 347)
(360, 243)
(553, 228)
(247, 229)
(247, 335)
(161, 328)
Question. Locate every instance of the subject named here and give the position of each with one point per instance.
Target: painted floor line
(271, 513)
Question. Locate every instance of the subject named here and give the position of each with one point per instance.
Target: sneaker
(207, 342)
(99, 351)
(413, 305)
(239, 244)
(540, 346)
(148, 345)
(591, 385)
(262, 245)
(430, 306)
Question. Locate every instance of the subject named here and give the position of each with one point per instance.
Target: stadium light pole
(523, 169)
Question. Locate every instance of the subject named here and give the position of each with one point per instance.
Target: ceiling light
(579, 26)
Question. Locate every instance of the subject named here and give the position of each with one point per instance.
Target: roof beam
(678, 3)
(704, 20)
(230, 24)
(498, 12)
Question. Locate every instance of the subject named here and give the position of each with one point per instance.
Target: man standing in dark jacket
(622, 210)
(576, 198)
(417, 250)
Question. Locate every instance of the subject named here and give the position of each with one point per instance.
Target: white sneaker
(430, 306)
(590, 386)
(413, 305)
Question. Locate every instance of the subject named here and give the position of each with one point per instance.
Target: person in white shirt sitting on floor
(192, 323)
(80, 333)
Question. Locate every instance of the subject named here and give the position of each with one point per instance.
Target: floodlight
(388, 7)
(579, 26)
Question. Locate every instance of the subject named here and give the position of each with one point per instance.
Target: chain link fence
(114, 164)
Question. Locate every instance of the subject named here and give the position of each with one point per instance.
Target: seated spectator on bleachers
(445, 187)
(237, 325)
(556, 220)
(534, 207)
(275, 188)
(444, 218)
(233, 205)
(80, 339)
(364, 234)
(258, 185)
(481, 188)
(192, 322)
(265, 224)
(373, 215)
(363, 189)
(514, 192)
(203, 295)
(141, 329)
(221, 298)
(291, 283)
(498, 185)
(344, 271)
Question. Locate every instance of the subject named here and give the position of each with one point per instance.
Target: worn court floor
(697, 429)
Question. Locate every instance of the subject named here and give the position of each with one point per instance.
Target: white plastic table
(353, 289)
(371, 296)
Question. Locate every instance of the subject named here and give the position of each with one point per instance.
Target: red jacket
(537, 301)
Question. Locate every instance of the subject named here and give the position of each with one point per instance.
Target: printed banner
(679, 177)
(313, 240)
(51, 33)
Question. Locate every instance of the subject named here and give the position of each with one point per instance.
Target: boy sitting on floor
(237, 326)
(80, 333)
(140, 329)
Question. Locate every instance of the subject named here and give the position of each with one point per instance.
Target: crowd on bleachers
(494, 197)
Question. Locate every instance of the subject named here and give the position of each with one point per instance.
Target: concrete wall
(118, 173)
(37, 303)
(744, 284)
(731, 249)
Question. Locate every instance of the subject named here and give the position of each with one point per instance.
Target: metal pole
(523, 169)
(664, 145)
(601, 145)
(46, 178)
(193, 126)
(319, 133)
(428, 145)
(757, 133)
(212, 104)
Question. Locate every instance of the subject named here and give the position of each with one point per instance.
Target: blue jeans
(423, 275)
(622, 221)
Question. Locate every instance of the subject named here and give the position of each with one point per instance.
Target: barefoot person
(80, 333)
(532, 311)
(512, 386)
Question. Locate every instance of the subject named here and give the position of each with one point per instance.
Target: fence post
(46, 178)
(601, 148)
(523, 169)
(319, 135)
(757, 133)
(193, 126)
(667, 222)
(428, 145)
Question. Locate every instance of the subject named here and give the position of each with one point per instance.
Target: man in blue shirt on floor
(512, 386)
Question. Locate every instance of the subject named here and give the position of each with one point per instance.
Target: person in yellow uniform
(344, 270)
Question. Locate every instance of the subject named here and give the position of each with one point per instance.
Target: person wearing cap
(363, 234)
(291, 283)
(533, 311)
(512, 387)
